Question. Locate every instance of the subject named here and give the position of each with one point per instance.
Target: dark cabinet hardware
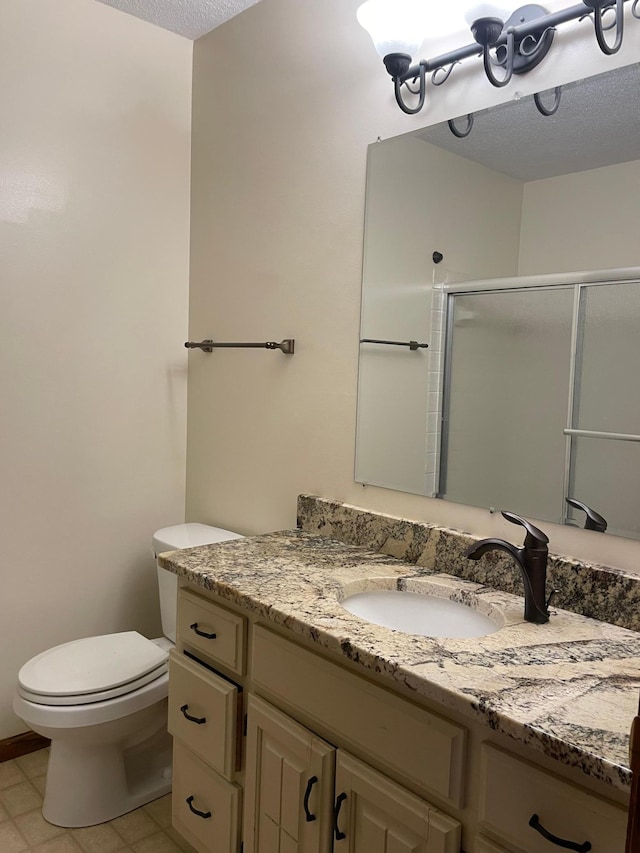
(198, 720)
(204, 815)
(413, 345)
(336, 814)
(194, 627)
(310, 817)
(534, 822)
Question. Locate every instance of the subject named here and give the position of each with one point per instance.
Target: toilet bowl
(102, 701)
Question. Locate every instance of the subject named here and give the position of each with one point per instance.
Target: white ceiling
(190, 18)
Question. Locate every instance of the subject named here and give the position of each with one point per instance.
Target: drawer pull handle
(559, 842)
(336, 814)
(198, 720)
(310, 817)
(204, 815)
(194, 627)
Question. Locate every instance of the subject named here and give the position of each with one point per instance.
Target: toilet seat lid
(92, 665)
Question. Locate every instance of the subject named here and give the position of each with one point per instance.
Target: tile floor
(24, 830)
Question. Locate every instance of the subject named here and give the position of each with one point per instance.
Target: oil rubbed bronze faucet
(532, 560)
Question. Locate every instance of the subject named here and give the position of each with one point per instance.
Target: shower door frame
(579, 282)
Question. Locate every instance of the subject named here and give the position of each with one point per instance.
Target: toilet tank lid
(189, 536)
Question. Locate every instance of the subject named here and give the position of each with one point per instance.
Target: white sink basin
(419, 613)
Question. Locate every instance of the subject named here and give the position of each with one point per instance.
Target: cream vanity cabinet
(205, 719)
(537, 812)
(279, 750)
(303, 796)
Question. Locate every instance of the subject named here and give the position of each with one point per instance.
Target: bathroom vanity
(300, 727)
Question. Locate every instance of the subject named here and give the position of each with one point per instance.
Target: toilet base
(88, 784)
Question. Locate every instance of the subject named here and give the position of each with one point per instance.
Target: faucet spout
(531, 559)
(484, 545)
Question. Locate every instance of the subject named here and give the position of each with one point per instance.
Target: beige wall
(286, 99)
(566, 214)
(94, 218)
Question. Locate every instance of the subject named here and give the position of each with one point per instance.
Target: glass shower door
(507, 391)
(605, 424)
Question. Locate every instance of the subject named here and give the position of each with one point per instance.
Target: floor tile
(35, 828)
(39, 783)
(182, 843)
(135, 826)
(61, 844)
(4, 814)
(34, 764)
(99, 839)
(21, 798)
(10, 774)
(160, 811)
(159, 843)
(11, 841)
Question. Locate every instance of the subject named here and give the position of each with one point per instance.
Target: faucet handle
(535, 538)
(594, 520)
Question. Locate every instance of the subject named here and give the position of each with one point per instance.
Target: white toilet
(103, 703)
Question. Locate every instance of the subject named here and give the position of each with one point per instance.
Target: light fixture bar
(529, 28)
(523, 42)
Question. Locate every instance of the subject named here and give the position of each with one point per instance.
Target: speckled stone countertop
(568, 689)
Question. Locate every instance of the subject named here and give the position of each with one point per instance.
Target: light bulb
(485, 10)
(396, 26)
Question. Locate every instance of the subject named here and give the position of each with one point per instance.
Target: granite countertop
(568, 689)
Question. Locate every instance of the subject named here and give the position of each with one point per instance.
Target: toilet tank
(173, 539)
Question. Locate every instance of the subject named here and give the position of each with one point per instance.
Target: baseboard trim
(22, 744)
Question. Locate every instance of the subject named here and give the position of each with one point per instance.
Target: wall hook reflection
(461, 132)
(553, 109)
(413, 345)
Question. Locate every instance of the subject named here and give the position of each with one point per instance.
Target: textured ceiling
(597, 124)
(190, 18)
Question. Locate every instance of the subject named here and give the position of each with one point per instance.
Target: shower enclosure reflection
(539, 400)
(527, 393)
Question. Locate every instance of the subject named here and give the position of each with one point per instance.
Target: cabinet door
(289, 785)
(375, 815)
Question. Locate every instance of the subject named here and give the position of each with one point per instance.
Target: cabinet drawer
(215, 631)
(406, 740)
(197, 788)
(203, 712)
(513, 791)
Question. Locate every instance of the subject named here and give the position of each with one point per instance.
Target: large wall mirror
(500, 332)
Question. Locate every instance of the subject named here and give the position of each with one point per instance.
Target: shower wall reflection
(533, 359)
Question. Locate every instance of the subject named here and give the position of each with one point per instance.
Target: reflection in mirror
(539, 378)
(502, 439)
(527, 393)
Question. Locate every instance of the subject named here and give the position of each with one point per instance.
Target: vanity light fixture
(509, 43)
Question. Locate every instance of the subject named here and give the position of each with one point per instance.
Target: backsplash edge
(609, 595)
